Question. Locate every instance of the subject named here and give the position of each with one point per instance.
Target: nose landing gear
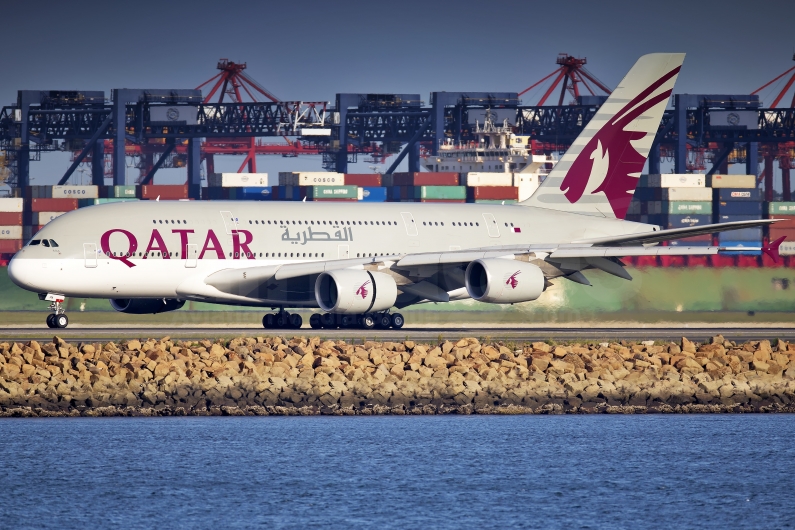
(58, 318)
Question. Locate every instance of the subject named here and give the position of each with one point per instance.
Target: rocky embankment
(273, 375)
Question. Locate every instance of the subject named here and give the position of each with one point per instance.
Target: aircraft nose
(20, 273)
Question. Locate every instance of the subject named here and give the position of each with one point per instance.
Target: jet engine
(145, 306)
(355, 291)
(503, 281)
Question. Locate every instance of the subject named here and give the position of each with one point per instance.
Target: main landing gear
(58, 318)
(365, 321)
(282, 320)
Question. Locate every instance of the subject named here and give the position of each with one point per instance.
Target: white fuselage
(166, 249)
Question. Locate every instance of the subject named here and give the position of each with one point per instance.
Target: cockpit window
(34, 242)
(45, 242)
(53, 243)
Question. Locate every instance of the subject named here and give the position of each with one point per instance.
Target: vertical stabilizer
(599, 172)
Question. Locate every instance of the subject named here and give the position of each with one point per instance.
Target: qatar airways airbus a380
(357, 262)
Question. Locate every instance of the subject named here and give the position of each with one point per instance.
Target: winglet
(771, 249)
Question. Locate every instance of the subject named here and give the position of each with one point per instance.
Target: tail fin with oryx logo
(599, 172)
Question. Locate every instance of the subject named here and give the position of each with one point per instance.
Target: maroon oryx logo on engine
(512, 281)
(362, 291)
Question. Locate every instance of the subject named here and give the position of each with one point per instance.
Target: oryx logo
(512, 281)
(610, 153)
(362, 291)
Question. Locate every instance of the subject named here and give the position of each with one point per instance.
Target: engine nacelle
(145, 306)
(503, 281)
(355, 291)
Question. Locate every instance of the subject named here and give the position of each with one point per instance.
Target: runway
(425, 334)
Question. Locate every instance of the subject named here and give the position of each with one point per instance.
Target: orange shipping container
(776, 232)
(363, 180)
(166, 193)
(493, 193)
(53, 205)
(425, 179)
(10, 218)
(788, 223)
(10, 246)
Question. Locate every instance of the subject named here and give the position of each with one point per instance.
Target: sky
(310, 50)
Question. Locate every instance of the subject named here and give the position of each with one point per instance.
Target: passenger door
(230, 222)
(491, 225)
(411, 226)
(193, 254)
(90, 255)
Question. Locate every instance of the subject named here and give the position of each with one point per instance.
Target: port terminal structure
(698, 129)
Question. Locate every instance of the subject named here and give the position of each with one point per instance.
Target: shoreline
(306, 376)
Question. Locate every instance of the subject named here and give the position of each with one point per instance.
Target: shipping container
(53, 205)
(775, 232)
(122, 192)
(373, 194)
(311, 178)
(425, 179)
(448, 201)
(332, 192)
(11, 232)
(10, 218)
(241, 180)
(335, 200)
(734, 194)
(487, 179)
(786, 222)
(40, 192)
(673, 194)
(363, 180)
(743, 244)
(775, 208)
(731, 181)
(75, 192)
(42, 218)
(216, 193)
(490, 201)
(165, 192)
(730, 218)
(739, 208)
(253, 193)
(684, 221)
(440, 192)
(287, 193)
(11, 204)
(741, 234)
(401, 193)
(671, 180)
(10, 246)
(493, 192)
(787, 248)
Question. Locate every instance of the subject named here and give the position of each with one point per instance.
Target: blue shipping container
(743, 234)
(737, 194)
(684, 221)
(374, 194)
(287, 193)
(735, 244)
(731, 218)
(739, 208)
(264, 193)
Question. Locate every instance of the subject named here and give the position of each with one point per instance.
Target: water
(710, 471)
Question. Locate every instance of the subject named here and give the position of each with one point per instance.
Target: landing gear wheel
(328, 321)
(295, 321)
(383, 321)
(51, 320)
(368, 322)
(281, 320)
(397, 320)
(314, 321)
(267, 321)
(61, 321)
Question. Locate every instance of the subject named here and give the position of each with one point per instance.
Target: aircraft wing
(644, 238)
